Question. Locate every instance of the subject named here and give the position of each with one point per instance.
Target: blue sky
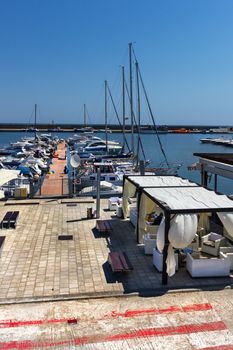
(57, 53)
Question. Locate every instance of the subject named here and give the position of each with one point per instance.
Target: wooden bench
(6, 220)
(119, 262)
(14, 218)
(103, 226)
(10, 219)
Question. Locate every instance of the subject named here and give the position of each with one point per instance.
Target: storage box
(149, 243)
(119, 211)
(23, 192)
(17, 193)
(112, 202)
(158, 260)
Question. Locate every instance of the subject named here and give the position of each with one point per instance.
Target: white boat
(99, 147)
(107, 189)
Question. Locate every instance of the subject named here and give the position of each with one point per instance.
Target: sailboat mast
(106, 115)
(35, 119)
(138, 112)
(123, 104)
(131, 96)
(84, 115)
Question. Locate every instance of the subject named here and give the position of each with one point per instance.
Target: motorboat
(98, 147)
(107, 189)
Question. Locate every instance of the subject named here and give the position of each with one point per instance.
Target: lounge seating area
(209, 255)
(188, 212)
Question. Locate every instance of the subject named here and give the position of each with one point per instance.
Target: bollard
(89, 213)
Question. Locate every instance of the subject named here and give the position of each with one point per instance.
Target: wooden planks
(103, 226)
(119, 262)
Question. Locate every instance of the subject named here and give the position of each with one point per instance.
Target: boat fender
(77, 181)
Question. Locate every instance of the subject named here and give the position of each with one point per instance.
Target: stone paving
(36, 264)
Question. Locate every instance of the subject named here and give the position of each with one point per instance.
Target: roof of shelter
(189, 199)
(7, 175)
(159, 181)
(226, 158)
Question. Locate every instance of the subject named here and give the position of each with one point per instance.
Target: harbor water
(179, 149)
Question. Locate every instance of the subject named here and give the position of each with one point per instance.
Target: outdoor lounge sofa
(200, 266)
(158, 260)
(211, 243)
(227, 253)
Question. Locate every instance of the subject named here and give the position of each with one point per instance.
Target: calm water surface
(178, 148)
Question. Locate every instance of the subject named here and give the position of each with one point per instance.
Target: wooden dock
(56, 182)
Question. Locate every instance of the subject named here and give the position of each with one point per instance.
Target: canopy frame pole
(138, 207)
(165, 249)
(215, 182)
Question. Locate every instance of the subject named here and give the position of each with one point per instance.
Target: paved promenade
(186, 321)
(36, 264)
(56, 183)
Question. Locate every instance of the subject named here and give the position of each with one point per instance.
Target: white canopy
(191, 198)
(133, 181)
(7, 175)
(154, 181)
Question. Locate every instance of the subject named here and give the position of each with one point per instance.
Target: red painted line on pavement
(14, 323)
(113, 314)
(170, 309)
(219, 347)
(141, 333)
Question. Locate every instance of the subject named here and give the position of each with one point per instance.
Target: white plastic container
(112, 203)
(149, 243)
(158, 260)
(17, 193)
(119, 211)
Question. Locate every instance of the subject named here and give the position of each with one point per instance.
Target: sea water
(178, 148)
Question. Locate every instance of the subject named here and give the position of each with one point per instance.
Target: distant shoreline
(149, 132)
(144, 129)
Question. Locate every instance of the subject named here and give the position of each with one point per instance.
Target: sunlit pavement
(199, 320)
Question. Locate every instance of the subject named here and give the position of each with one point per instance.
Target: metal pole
(142, 167)
(139, 114)
(106, 116)
(62, 186)
(84, 115)
(215, 182)
(98, 194)
(165, 249)
(138, 208)
(131, 97)
(35, 120)
(123, 104)
(73, 182)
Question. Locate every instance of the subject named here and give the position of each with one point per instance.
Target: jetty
(56, 182)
